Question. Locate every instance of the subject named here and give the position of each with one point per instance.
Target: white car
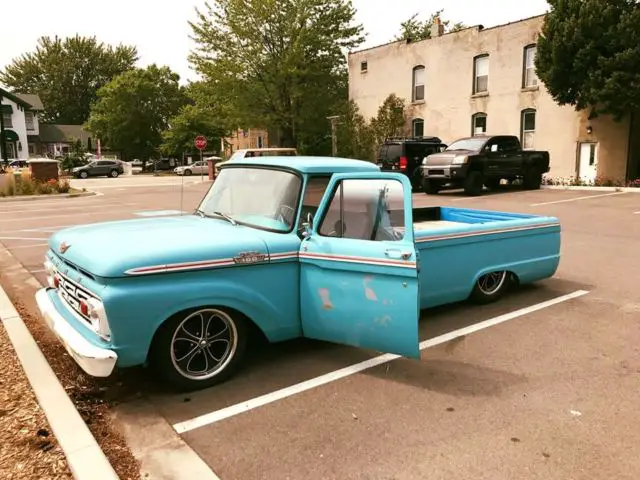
(199, 168)
(257, 152)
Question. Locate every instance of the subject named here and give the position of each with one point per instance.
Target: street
(545, 388)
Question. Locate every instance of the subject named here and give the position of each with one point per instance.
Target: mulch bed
(92, 397)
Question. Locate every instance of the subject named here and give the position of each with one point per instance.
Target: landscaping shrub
(598, 182)
(22, 184)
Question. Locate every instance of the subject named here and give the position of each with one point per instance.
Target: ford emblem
(64, 246)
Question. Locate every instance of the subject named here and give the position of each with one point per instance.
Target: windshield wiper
(226, 217)
(200, 212)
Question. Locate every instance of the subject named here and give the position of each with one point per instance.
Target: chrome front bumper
(96, 361)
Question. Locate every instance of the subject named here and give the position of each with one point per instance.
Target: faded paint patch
(326, 300)
(369, 293)
(382, 321)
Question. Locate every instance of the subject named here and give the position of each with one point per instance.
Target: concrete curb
(24, 198)
(86, 459)
(592, 189)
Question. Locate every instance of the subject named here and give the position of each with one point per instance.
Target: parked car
(326, 248)
(161, 164)
(483, 160)
(99, 168)
(199, 168)
(405, 155)
(256, 152)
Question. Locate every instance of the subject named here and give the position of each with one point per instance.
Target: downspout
(627, 177)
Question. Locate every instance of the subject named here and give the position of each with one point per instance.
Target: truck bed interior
(435, 218)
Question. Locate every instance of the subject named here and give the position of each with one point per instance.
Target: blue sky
(160, 30)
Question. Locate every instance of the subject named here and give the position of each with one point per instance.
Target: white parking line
(70, 207)
(636, 213)
(21, 219)
(22, 238)
(33, 245)
(578, 198)
(216, 416)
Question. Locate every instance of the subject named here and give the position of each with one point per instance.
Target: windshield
(257, 197)
(473, 144)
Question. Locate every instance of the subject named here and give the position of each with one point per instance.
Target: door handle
(396, 253)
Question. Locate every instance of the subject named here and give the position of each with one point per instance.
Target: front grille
(72, 294)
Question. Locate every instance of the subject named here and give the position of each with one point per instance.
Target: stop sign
(200, 142)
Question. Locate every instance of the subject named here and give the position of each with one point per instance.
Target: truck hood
(110, 249)
(445, 158)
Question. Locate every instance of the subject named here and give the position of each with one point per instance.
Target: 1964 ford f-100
(323, 248)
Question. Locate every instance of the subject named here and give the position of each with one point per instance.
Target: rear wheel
(114, 173)
(473, 184)
(490, 287)
(200, 348)
(532, 179)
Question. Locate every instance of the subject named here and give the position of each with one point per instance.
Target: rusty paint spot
(368, 291)
(326, 301)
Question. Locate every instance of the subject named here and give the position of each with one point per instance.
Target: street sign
(201, 142)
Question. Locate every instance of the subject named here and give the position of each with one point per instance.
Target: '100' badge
(249, 257)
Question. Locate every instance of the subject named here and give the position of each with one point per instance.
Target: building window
(363, 66)
(479, 123)
(481, 74)
(530, 78)
(417, 126)
(528, 122)
(418, 83)
(8, 122)
(28, 118)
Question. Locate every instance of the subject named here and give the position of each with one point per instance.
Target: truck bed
(456, 246)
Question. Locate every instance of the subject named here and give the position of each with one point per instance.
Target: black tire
(532, 179)
(83, 174)
(491, 287)
(168, 344)
(187, 172)
(473, 184)
(114, 174)
(430, 187)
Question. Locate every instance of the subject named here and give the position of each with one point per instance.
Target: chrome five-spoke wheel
(490, 286)
(200, 348)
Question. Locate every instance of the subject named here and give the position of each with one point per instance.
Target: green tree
(391, 119)
(280, 64)
(414, 30)
(134, 109)
(588, 55)
(76, 156)
(67, 74)
(354, 135)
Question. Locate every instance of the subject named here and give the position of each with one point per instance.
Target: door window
(365, 210)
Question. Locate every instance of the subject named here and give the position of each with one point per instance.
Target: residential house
(56, 140)
(483, 80)
(19, 123)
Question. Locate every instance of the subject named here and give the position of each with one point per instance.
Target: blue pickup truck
(323, 248)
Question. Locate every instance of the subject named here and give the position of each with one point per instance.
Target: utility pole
(334, 134)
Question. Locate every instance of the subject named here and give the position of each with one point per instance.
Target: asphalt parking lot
(547, 390)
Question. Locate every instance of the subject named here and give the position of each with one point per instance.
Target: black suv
(405, 155)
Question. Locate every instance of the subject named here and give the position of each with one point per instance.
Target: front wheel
(187, 172)
(473, 184)
(83, 174)
(490, 287)
(431, 187)
(200, 348)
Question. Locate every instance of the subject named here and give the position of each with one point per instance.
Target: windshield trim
(268, 167)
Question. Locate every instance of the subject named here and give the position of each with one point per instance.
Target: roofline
(479, 27)
(12, 97)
